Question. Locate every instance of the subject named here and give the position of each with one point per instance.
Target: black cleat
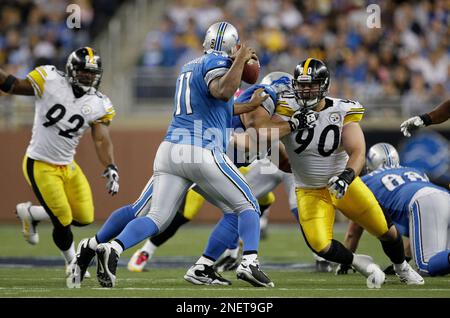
(250, 272)
(200, 274)
(107, 259)
(77, 268)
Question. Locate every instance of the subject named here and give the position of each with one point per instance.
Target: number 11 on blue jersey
(183, 94)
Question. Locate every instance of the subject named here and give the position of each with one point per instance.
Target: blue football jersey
(394, 189)
(198, 118)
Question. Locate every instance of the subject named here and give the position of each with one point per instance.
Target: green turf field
(284, 252)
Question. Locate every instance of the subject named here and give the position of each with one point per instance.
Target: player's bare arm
(436, 116)
(256, 100)
(354, 145)
(105, 152)
(260, 118)
(13, 85)
(224, 87)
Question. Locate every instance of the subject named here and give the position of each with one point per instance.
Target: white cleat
(138, 261)
(28, 224)
(376, 276)
(408, 275)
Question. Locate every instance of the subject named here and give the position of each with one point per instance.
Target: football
(251, 71)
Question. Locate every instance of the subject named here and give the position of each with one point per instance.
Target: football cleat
(200, 274)
(28, 224)
(77, 269)
(138, 261)
(251, 273)
(107, 259)
(407, 275)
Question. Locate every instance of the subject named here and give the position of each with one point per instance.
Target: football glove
(303, 120)
(414, 123)
(344, 269)
(338, 185)
(112, 175)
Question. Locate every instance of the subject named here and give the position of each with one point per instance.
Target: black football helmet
(311, 82)
(84, 68)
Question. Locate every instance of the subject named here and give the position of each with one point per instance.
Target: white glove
(303, 120)
(112, 174)
(338, 185)
(410, 125)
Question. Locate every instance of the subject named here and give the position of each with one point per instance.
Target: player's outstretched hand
(410, 125)
(303, 120)
(258, 97)
(112, 175)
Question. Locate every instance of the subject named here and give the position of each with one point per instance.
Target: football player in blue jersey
(272, 86)
(192, 152)
(419, 209)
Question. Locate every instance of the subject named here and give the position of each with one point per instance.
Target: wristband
(426, 119)
(348, 175)
(8, 83)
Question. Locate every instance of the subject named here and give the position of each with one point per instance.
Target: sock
(118, 246)
(234, 252)
(149, 248)
(38, 213)
(93, 242)
(225, 233)
(115, 223)
(136, 231)
(439, 264)
(173, 227)
(338, 253)
(62, 236)
(69, 254)
(249, 230)
(205, 261)
(249, 258)
(394, 250)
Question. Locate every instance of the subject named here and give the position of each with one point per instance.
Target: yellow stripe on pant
(64, 191)
(316, 208)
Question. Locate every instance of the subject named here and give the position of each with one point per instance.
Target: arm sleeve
(216, 66)
(38, 78)
(354, 114)
(108, 114)
(269, 103)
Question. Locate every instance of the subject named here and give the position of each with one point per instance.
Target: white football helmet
(221, 36)
(274, 76)
(382, 155)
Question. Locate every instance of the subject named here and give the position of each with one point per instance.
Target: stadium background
(395, 71)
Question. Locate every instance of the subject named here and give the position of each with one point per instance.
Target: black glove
(344, 269)
(112, 174)
(303, 120)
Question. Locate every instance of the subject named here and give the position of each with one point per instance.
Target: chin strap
(78, 91)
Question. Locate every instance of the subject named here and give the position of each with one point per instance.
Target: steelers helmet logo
(334, 118)
(86, 110)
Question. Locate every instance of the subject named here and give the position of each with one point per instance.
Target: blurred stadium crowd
(400, 69)
(403, 64)
(34, 32)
